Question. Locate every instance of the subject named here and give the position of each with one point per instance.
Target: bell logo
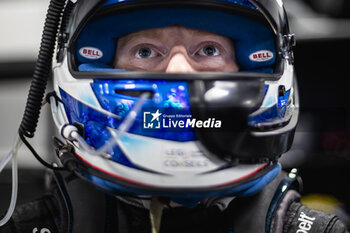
(91, 53)
(261, 56)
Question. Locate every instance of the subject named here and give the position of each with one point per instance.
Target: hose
(11, 156)
(42, 69)
(36, 93)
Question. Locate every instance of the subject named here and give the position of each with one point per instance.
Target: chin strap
(155, 214)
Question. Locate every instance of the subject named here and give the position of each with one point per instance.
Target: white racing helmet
(176, 135)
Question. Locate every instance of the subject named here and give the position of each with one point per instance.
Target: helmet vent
(135, 93)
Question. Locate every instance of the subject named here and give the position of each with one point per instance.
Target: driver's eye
(145, 53)
(209, 50)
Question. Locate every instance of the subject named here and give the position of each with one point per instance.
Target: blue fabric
(245, 3)
(191, 199)
(249, 36)
(282, 189)
(265, 180)
(97, 67)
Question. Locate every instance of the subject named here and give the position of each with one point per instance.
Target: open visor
(92, 46)
(245, 117)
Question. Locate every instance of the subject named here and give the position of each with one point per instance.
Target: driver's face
(175, 49)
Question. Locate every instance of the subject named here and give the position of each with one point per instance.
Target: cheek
(231, 67)
(136, 64)
(118, 58)
(122, 54)
(123, 60)
(118, 63)
(217, 64)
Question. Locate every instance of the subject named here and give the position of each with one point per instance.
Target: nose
(179, 63)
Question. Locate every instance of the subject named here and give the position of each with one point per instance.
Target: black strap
(248, 214)
(89, 207)
(113, 220)
(39, 216)
(64, 202)
(54, 212)
(95, 211)
(301, 219)
(174, 220)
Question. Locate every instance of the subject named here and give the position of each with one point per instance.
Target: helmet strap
(155, 214)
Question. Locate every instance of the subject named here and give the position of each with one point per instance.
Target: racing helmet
(177, 135)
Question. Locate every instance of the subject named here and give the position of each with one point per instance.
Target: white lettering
(190, 122)
(181, 124)
(261, 56)
(44, 230)
(305, 224)
(302, 215)
(90, 53)
(164, 124)
(301, 231)
(206, 124)
(185, 163)
(199, 124)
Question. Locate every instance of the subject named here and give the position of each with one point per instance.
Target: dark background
(322, 143)
(323, 76)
